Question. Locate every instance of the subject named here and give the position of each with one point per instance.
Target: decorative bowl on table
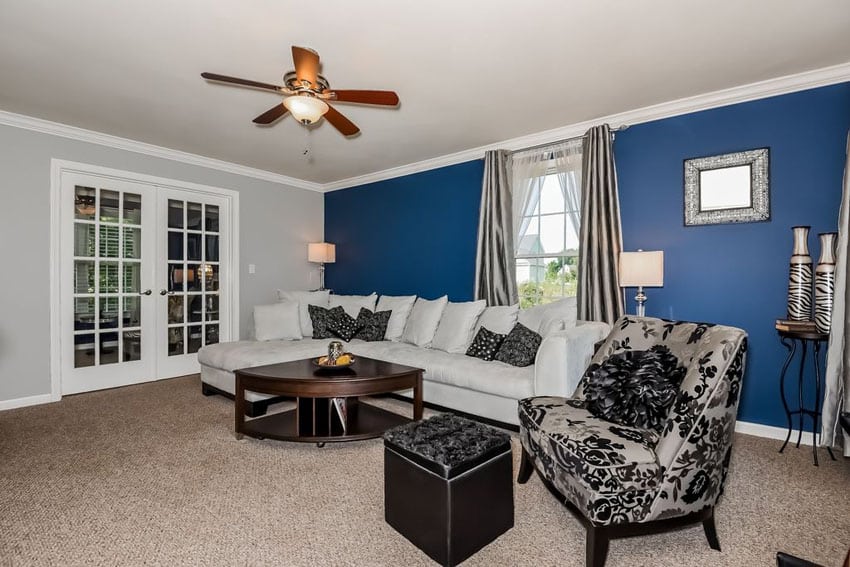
(344, 361)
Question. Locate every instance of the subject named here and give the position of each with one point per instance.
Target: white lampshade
(305, 109)
(642, 268)
(322, 252)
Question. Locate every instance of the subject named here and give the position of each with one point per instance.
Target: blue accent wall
(413, 235)
(417, 234)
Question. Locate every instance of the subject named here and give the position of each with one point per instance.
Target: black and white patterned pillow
(342, 325)
(635, 387)
(372, 325)
(520, 346)
(486, 344)
(320, 316)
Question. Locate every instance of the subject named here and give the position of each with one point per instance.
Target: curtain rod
(552, 143)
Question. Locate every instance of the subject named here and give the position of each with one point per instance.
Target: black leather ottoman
(448, 485)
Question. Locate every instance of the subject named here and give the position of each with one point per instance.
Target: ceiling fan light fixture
(305, 109)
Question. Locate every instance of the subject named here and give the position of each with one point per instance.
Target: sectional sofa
(432, 335)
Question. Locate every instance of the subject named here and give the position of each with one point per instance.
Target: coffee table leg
(239, 403)
(417, 398)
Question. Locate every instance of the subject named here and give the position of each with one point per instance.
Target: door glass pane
(193, 247)
(132, 277)
(83, 313)
(83, 276)
(132, 311)
(108, 313)
(132, 343)
(83, 350)
(175, 308)
(196, 306)
(108, 348)
(194, 342)
(193, 281)
(108, 277)
(211, 252)
(176, 277)
(193, 216)
(84, 239)
(211, 309)
(132, 208)
(175, 245)
(211, 335)
(211, 277)
(132, 243)
(109, 205)
(175, 341)
(175, 214)
(85, 201)
(212, 218)
(108, 241)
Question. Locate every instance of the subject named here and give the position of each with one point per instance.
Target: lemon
(344, 359)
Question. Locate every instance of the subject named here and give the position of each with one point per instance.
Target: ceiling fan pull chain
(306, 151)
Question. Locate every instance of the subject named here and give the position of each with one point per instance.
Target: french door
(142, 278)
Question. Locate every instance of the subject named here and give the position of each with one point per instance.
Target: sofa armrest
(563, 357)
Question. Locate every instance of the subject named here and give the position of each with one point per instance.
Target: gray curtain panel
(837, 395)
(599, 297)
(495, 266)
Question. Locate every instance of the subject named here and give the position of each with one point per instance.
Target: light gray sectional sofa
(489, 389)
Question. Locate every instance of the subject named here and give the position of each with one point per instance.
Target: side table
(790, 340)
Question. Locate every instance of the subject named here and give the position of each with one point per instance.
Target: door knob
(146, 292)
(163, 292)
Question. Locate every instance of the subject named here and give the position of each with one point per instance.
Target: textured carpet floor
(152, 475)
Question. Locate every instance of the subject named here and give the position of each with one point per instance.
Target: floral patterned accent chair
(622, 479)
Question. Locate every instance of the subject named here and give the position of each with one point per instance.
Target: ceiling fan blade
(243, 82)
(306, 64)
(271, 114)
(340, 122)
(387, 98)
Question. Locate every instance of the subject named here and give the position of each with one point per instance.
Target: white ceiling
(468, 73)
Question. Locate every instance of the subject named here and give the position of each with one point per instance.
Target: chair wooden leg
(525, 468)
(711, 531)
(597, 546)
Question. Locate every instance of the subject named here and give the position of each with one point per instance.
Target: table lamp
(642, 269)
(322, 253)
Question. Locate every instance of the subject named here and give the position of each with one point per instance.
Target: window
(547, 209)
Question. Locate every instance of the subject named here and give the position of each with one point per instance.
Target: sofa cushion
(400, 307)
(499, 319)
(423, 321)
(243, 354)
(372, 326)
(520, 346)
(550, 317)
(277, 321)
(321, 320)
(486, 344)
(305, 298)
(634, 387)
(353, 303)
(454, 333)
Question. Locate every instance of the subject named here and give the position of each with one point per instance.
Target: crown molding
(744, 93)
(90, 136)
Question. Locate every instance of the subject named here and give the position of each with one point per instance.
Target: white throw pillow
(454, 334)
(351, 304)
(551, 317)
(277, 321)
(423, 321)
(400, 305)
(305, 298)
(499, 319)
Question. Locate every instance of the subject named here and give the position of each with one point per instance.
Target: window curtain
(599, 297)
(495, 267)
(568, 164)
(837, 394)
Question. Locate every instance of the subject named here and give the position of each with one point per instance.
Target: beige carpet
(152, 475)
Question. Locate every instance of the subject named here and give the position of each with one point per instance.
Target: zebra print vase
(800, 277)
(825, 282)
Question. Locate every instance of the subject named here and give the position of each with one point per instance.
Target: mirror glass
(725, 188)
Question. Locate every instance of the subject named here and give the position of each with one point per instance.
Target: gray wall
(276, 222)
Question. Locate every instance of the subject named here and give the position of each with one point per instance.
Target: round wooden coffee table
(317, 418)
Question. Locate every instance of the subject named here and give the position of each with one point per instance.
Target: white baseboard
(771, 432)
(28, 401)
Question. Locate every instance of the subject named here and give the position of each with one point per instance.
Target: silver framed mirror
(728, 188)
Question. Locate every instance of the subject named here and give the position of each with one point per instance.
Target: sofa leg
(256, 409)
(711, 531)
(525, 468)
(207, 390)
(597, 546)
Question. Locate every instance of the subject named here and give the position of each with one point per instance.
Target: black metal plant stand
(790, 340)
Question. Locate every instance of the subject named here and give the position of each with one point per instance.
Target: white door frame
(57, 168)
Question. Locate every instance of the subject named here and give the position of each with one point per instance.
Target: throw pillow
(550, 317)
(353, 303)
(423, 321)
(454, 333)
(485, 345)
(520, 346)
(635, 388)
(372, 326)
(320, 317)
(277, 321)
(342, 324)
(400, 307)
(305, 298)
(499, 319)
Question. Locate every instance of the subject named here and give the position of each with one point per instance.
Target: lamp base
(322, 276)
(640, 299)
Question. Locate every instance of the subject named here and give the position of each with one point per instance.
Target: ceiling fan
(308, 93)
